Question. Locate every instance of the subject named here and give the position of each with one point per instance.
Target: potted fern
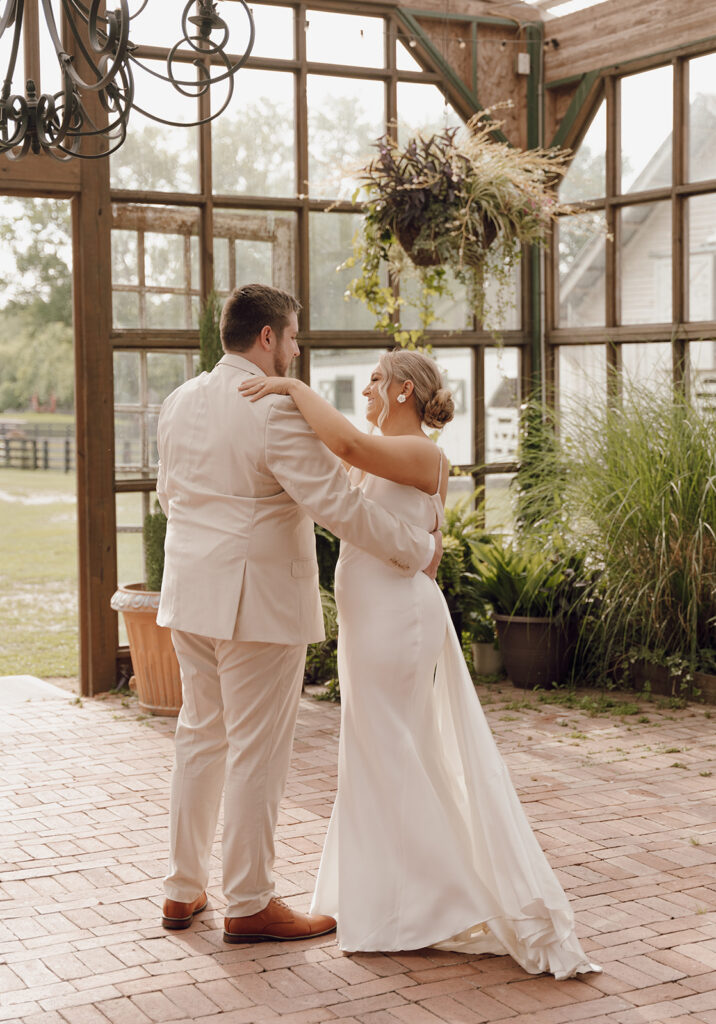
(535, 592)
(156, 678)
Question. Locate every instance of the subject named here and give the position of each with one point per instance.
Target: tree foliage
(36, 281)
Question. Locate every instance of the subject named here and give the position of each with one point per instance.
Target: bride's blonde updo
(432, 399)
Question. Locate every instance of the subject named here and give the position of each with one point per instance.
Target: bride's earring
(401, 398)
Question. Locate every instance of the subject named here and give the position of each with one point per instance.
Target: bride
(428, 844)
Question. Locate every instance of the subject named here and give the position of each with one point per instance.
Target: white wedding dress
(428, 844)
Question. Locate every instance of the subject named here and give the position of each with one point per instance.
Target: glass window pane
(645, 263)
(457, 438)
(452, 312)
(274, 32)
(331, 237)
(258, 246)
(345, 118)
(165, 311)
(502, 403)
(339, 376)
(128, 443)
(165, 372)
(130, 566)
(424, 110)
(503, 310)
(702, 370)
(253, 141)
(646, 128)
(702, 257)
(648, 364)
(582, 251)
(345, 39)
(126, 378)
(164, 264)
(702, 104)
(159, 157)
(152, 455)
(156, 250)
(581, 383)
(499, 503)
(125, 260)
(404, 59)
(130, 556)
(586, 177)
(155, 27)
(125, 310)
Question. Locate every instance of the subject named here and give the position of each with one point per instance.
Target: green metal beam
(534, 37)
(574, 109)
(535, 138)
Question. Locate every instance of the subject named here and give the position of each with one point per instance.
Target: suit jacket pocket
(301, 567)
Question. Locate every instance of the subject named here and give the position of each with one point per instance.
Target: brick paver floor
(623, 805)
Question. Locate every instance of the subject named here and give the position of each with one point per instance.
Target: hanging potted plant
(457, 200)
(156, 678)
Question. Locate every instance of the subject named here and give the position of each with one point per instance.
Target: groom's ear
(266, 337)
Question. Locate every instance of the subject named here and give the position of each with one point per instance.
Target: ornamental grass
(637, 494)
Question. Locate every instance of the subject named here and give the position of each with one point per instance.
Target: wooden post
(96, 519)
(94, 416)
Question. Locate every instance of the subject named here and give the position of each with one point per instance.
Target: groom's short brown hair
(249, 309)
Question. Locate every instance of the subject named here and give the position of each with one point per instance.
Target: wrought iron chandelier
(97, 59)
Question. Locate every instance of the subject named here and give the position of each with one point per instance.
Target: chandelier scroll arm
(7, 84)
(121, 41)
(9, 15)
(99, 48)
(198, 123)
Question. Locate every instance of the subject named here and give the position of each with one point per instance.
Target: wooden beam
(96, 518)
(625, 30)
(40, 176)
(94, 415)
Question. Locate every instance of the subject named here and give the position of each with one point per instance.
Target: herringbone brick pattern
(624, 806)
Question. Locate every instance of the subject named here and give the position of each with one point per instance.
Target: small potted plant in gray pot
(486, 654)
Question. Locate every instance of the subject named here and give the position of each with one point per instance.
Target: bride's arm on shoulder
(405, 460)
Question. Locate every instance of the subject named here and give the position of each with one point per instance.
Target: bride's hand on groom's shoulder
(257, 387)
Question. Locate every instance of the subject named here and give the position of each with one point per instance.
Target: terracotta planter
(536, 651)
(156, 669)
(487, 660)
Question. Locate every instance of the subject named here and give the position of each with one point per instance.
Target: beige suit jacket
(242, 483)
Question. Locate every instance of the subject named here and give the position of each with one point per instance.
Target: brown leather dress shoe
(177, 915)
(277, 922)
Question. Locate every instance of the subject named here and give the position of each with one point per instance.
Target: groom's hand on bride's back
(432, 569)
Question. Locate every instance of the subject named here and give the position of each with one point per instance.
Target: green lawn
(62, 418)
(38, 572)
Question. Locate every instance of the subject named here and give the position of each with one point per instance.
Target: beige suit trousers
(234, 733)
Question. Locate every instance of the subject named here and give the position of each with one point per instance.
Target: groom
(242, 483)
